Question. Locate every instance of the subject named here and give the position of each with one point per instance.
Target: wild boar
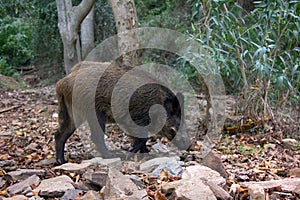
(98, 92)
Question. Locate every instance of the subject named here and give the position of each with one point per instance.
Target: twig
(9, 109)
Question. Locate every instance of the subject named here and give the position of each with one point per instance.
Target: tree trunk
(87, 33)
(126, 20)
(69, 20)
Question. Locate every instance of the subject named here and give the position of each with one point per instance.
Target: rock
(55, 187)
(286, 184)
(91, 195)
(24, 187)
(120, 187)
(199, 172)
(172, 166)
(73, 167)
(294, 173)
(45, 162)
(160, 148)
(31, 147)
(219, 192)
(112, 162)
(17, 197)
(36, 198)
(290, 143)
(7, 82)
(5, 135)
(7, 165)
(297, 190)
(188, 190)
(214, 162)
(193, 185)
(137, 180)
(269, 146)
(256, 192)
(98, 177)
(22, 174)
(72, 194)
(149, 165)
(2, 182)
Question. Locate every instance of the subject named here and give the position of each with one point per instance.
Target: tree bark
(69, 20)
(87, 33)
(126, 19)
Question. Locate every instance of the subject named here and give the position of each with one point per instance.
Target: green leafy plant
(257, 48)
(15, 41)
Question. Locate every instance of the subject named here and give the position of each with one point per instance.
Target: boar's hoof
(139, 145)
(60, 161)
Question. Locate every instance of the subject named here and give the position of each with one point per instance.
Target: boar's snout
(182, 140)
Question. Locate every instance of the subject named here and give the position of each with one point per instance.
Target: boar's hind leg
(139, 145)
(97, 135)
(67, 127)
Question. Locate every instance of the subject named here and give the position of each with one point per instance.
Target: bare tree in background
(69, 22)
(87, 34)
(126, 19)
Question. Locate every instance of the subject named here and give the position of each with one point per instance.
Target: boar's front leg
(139, 145)
(97, 135)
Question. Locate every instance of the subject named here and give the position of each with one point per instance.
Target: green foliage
(29, 35)
(104, 21)
(246, 150)
(47, 45)
(15, 43)
(171, 14)
(263, 42)
(5, 69)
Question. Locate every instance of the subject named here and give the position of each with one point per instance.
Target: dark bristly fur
(87, 91)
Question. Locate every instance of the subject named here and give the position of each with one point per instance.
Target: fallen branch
(9, 109)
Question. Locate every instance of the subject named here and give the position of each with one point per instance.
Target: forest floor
(28, 120)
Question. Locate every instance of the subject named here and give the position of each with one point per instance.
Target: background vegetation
(255, 44)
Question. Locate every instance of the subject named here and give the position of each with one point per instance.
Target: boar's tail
(64, 117)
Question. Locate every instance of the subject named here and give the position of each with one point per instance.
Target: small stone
(91, 195)
(297, 190)
(17, 197)
(55, 187)
(112, 162)
(45, 162)
(22, 174)
(73, 167)
(290, 143)
(256, 192)
(118, 186)
(294, 173)
(36, 198)
(31, 147)
(214, 162)
(172, 167)
(199, 172)
(98, 177)
(2, 182)
(188, 190)
(150, 165)
(269, 146)
(137, 180)
(218, 191)
(72, 194)
(6, 163)
(24, 187)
